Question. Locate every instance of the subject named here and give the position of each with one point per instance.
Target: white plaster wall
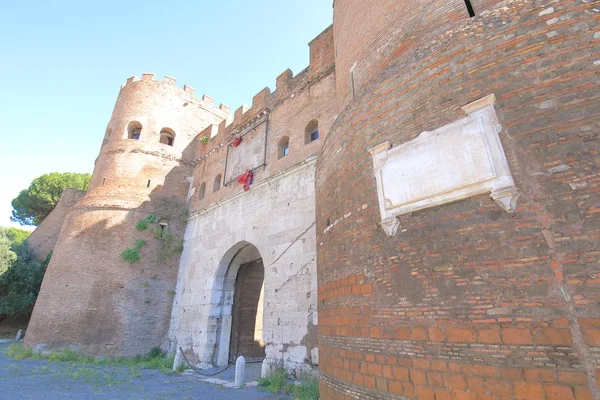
(278, 217)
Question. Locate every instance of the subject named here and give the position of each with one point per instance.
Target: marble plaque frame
(459, 160)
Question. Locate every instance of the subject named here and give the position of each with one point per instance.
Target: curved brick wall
(365, 41)
(467, 301)
(90, 297)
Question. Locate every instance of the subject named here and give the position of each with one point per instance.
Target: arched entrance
(246, 318)
(241, 305)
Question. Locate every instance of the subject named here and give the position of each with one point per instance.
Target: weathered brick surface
(476, 303)
(43, 239)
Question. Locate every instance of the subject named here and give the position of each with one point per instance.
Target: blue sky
(62, 63)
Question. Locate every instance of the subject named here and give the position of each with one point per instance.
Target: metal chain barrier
(223, 369)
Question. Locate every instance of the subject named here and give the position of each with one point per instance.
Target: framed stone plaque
(462, 159)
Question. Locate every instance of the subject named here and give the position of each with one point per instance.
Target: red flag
(246, 179)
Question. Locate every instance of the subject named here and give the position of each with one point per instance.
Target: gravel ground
(41, 379)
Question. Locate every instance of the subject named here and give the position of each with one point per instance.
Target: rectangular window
(314, 136)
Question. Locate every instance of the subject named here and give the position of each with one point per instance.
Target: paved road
(44, 380)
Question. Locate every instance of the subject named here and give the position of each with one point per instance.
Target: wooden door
(248, 286)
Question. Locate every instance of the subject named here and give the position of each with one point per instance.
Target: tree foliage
(17, 236)
(20, 275)
(7, 255)
(34, 204)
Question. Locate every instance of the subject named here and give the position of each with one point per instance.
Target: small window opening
(470, 8)
(217, 183)
(103, 180)
(148, 184)
(283, 148)
(134, 130)
(312, 131)
(201, 191)
(167, 137)
(163, 229)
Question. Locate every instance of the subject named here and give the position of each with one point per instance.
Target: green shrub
(130, 255)
(139, 244)
(276, 381)
(155, 352)
(21, 276)
(19, 352)
(204, 139)
(307, 388)
(143, 224)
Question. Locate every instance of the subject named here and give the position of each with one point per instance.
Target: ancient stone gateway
(240, 318)
(247, 282)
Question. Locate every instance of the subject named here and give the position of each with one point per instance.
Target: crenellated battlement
(187, 90)
(288, 86)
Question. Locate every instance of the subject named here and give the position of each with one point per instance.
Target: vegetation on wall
(21, 274)
(133, 255)
(172, 246)
(143, 224)
(34, 204)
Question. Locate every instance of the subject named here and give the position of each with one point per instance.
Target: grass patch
(307, 388)
(19, 352)
(155, 359)
(275, 382)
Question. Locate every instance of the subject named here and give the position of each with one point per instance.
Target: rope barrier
(255, 360)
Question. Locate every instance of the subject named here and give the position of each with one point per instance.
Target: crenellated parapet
(186, 92)
(287, 86)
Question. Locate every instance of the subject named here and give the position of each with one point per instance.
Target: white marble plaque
(249, 155)
(459, 160)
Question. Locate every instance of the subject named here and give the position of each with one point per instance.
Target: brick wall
(43, 239)
(467, 301)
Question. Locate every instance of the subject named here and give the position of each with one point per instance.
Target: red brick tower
(91, 298)
(462, 299)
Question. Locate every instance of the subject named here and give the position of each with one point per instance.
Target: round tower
(366, 41)
(95, 296)
(459, 299)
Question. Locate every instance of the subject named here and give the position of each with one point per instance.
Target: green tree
(34, 204)
(16, 235)
(7, 255)
(21, 276)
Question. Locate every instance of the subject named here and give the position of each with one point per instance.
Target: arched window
(312, 131)
(217, 183)
(134, 130)
(167, 136)
(283, 147)
(201, 191)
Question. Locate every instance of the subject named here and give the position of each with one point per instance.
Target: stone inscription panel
(436, 165)
(459, 160)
